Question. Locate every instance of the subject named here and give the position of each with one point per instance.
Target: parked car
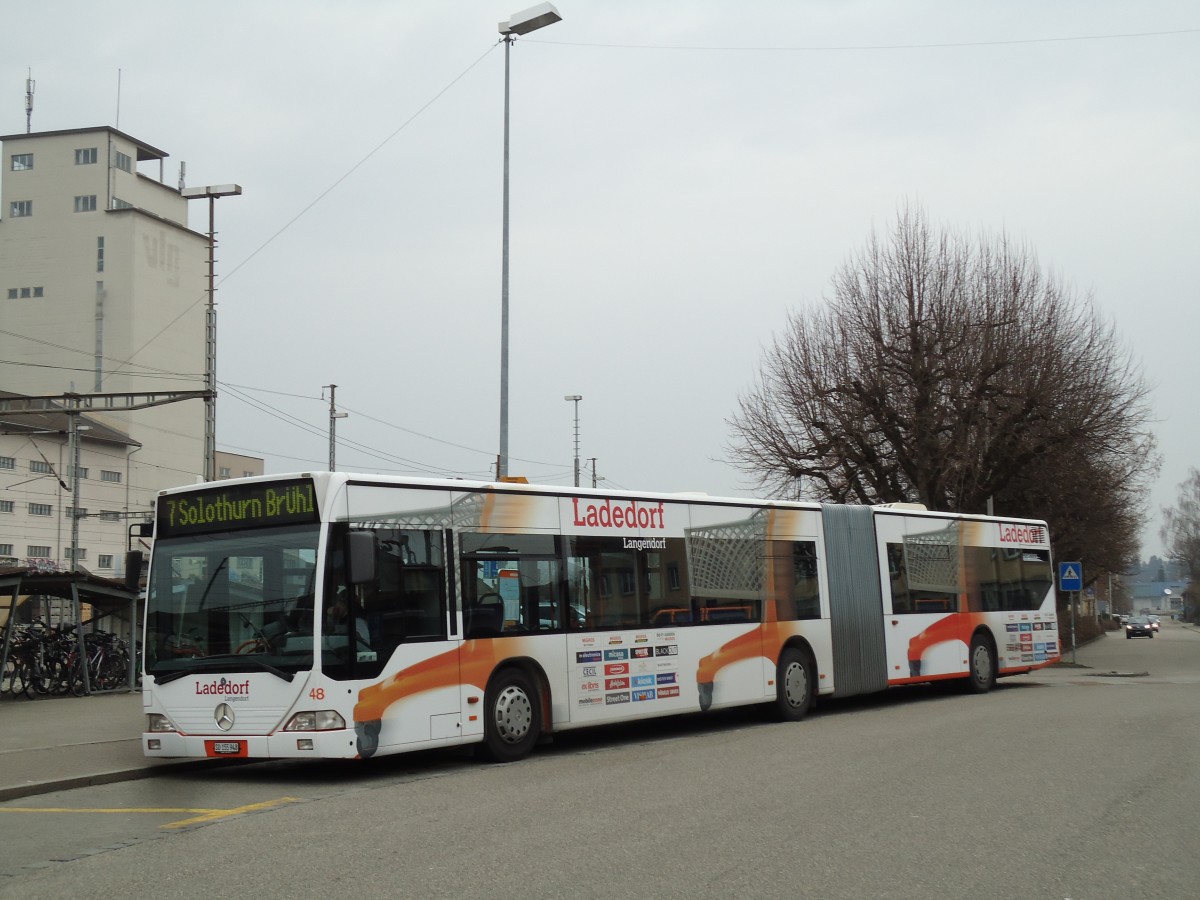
(1139, 626)
(1153, 622)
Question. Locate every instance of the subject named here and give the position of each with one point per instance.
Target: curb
(35, 788)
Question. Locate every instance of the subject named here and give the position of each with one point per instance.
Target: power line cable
(204, 295)
(869, 47)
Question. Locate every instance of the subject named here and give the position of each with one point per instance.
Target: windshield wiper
(208, 587)
(201, 665)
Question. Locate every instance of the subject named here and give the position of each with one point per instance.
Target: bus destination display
(234, 507)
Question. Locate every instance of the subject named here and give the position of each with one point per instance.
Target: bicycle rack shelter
(106, 596)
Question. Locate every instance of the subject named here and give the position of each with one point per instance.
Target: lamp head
(530, 19)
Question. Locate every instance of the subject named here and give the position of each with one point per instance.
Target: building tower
(102, 290)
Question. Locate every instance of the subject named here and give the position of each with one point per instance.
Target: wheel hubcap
(795, 684)
(983, 665)
(514, 714)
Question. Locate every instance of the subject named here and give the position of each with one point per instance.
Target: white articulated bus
(340, 615)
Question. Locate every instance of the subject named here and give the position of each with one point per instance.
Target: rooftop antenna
(182, 175)
(29, 86)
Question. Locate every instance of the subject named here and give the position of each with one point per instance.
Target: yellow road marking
(200, 814)
(213, 814)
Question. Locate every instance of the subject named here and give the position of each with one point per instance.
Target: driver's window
(405, 603)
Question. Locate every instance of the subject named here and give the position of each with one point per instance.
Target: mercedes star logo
(223, 716)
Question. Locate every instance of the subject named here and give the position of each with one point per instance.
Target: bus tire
(982, 677)
(368, 737)
(793, 684)
(514, 717)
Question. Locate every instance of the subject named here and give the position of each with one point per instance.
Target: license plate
(233, 747)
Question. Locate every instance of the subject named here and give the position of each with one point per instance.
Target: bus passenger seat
(482, 621)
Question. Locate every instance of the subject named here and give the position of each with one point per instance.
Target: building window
(110, 476)
(118, 203)
(79, 513)
(81, 472)
(40, 509)
(26, 293)
(85, 157)
(86, 203)
(40, 467)
(8, 462)
(6, 506)
(12, 293)
(99, 254)
(22, 162)
(20, 208)
(108, 515)
(71, 553)
(38, 551)
(105, 560)
(225, 472)
(5, 549)
(123, 161)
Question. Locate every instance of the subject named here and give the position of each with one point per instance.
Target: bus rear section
(965, 597)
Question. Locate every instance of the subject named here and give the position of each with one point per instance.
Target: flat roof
(144, 151)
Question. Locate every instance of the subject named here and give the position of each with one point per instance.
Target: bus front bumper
(340, 744)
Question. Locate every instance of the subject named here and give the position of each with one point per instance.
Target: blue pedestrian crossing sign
(1070, 576)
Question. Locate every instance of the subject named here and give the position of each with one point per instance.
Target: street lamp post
(521, 23)
(212, 192)
(575, 398)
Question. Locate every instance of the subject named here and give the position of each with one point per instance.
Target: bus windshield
(232, 601)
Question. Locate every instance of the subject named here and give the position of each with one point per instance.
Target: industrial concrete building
(103, 290)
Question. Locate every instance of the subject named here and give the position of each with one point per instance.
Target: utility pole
(575, 398)
(212, 192)
(73, 423)
(73, 420)
(334, 415)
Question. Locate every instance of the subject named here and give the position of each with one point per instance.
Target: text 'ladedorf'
(1022, 534)
(618, 515)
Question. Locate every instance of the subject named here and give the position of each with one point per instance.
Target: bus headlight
(316, 720)
(158, 722)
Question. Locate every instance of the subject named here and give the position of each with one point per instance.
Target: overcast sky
(682, 176)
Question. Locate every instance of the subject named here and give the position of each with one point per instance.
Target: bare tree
(950, 371)
(1181, 526)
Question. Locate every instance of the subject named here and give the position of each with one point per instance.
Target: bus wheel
(368, 737)
(793, 685)
(983, 665)
(706, 691)
(514, 717)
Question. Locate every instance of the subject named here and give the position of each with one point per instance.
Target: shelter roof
(102, 593)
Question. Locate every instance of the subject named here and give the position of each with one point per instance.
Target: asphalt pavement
(57, 743)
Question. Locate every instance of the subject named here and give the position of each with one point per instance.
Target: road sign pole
(1074, 603)
(1070, 582)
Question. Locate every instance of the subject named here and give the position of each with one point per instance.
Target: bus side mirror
(133, 569)
(360, 557)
